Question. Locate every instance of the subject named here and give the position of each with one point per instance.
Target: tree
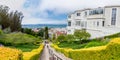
(4, 21)
(54, 37)
(61, 38)
(41, 33)
(69, 38)
(46, 33)
(10, 20)
(15, 20)
(81, 35)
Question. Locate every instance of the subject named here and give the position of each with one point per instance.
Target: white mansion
(98, 22)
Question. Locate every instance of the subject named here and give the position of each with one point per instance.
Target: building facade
(96, 19)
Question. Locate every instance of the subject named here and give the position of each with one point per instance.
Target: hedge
(34, 54)
(111, 51)
(10, 54)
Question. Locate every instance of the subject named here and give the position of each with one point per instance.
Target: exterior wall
(95, 22)
(108, 15)
(118, 18)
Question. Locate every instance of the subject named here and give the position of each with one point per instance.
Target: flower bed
(111, 51)
(10, 54)
(33, 55)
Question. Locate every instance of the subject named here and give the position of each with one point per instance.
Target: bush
(111, 51)
(61, 38)
(1, 32)
(62, 50)
(10, 54)
(17, 39)
(94, 44)
(34, 54)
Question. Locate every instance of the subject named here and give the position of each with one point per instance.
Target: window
(96, 11)
(69, 16)
(77, 23)
(113, 19)
(86, 13)
(69, 23)
(78, 14)
(103, 23)
(97, 23)
(82, 24)
(69, 30)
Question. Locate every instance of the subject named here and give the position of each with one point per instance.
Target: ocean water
(44, 25)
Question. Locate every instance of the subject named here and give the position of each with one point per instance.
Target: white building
(98, 22)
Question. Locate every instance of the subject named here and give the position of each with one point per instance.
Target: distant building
(36, 30)
(57, 32)
(98, 20)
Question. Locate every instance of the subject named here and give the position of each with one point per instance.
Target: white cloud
(63, 6)
(13, 4)
(58, 6)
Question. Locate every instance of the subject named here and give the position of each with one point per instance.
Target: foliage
(81, 34)
(61, 38)
(5, 23)
(72, 45)
(1, 32)
(25, 47)
(10, 54)
(41, 33)
(46, 33)
(76, 45)
(33, 55)
(29, 31)
(10, 20)
(111, 51)
(69, 38)
(17, 39)
(94, 44)
(15, 20)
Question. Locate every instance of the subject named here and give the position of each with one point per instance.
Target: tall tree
(4, 21)
(15, 20)
(11, 20)
(41, 33)
(46, 33)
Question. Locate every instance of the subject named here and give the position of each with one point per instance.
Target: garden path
(45, 54)
(50, 54)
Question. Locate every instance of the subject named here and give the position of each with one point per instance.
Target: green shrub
(111, 51)
(1, 32)
(95, 43)
(34, 54)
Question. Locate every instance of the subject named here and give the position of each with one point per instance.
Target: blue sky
(52, 11)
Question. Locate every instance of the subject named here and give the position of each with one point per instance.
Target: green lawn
(84, 45)
(25, 48)
(20, 41)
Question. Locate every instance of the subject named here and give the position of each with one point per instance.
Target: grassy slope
(20, 41)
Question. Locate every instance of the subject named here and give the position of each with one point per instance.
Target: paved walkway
(45, 54)
(50, 54)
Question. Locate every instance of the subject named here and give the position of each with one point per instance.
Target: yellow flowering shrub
(34, 54)
(10, 54)
(111, 51)
(62, 50)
